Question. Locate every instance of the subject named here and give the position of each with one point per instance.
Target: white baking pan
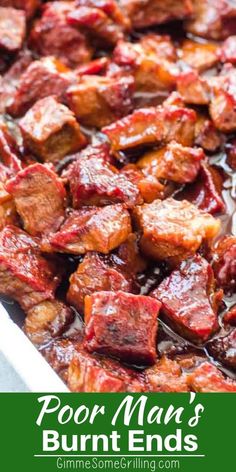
(26, 360)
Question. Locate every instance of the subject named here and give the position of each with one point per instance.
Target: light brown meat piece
(12, 29)
(166, 376)
(207, 378)
(193, 88)
(199, 56)
(173, 230)
(212, 19)
(223, 101)
(51, 131)
(40, 199)
(30, 6)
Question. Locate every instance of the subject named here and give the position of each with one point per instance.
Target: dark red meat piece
(188, 300)
(224, 265)
(9, 152)
(206, 134)
(211, 19)
(223, 101)
(12, 29)
(223, 349)
(122, 325)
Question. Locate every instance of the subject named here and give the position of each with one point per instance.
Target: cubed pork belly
(95, 182)
(223, 101)
(98, 101)
(166, 376)
(193, 88)
(207, 378)
(152, 126)
(122, 325)
(206, 134)
(12, 29)
(211, 19)
(172, 162)
(94, 274)
(189, 302)
(205, 191)
(47, 320)
(223, 349)
(52, 35)
(151, 61)
(173, 230)
(29, 6)
(93, 229)
(103, 21)
(42, 78)
(51, 131)
(228, 50)
(198, 55)
(25, 275)
(144, 13)
(88, 373)
(40, 197)
(149, 186)
(224, 263)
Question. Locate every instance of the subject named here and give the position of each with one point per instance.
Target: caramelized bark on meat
(103, 21)
(51, 131)
(228, 50)
(205, 192)
(224, 264)
(93, 229)
(172, 162)
(25, 275)
(166, 376)
(207, 378)
(96, 274)
(30, 6)
(151, 61)
(152, 126)
(42, 78)
(47, 320)
(223, 102)
(200, 56)
(52, 35)
(188, 299)
(173, 230)
(95, 182)
(206, 134)
(149, 186)
(12, 29)
(89, 373)
(122, 325)
(98, 101)
(144, 13)
(211, 19)
(223, 349)
(193, 88)
(39, 196)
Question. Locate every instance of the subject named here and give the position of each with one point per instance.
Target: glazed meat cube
(42, 78)
(9, 151)
(172, 162)
(52, 35)
(224, 264)
(205, 192)
(151, 126)
(51, 131)
(207, 378)
(127, 258)
(98, 101)
(188, 299)
(39, 196)
(25, 275)
(95, 274)
(211, 19)
(47, 320)
(228, 50)
(224, 349)
(173, 230)
(30, 6)
(122, 325)
(89, 373)
(200, 56)
(206, 134)
(193, 88)
(93, 229)
(94, 182)
(165, 376)
(12, 29)
(149, 186)
(144, 13)
(223, 102)
(101, 20)
(151, 61)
